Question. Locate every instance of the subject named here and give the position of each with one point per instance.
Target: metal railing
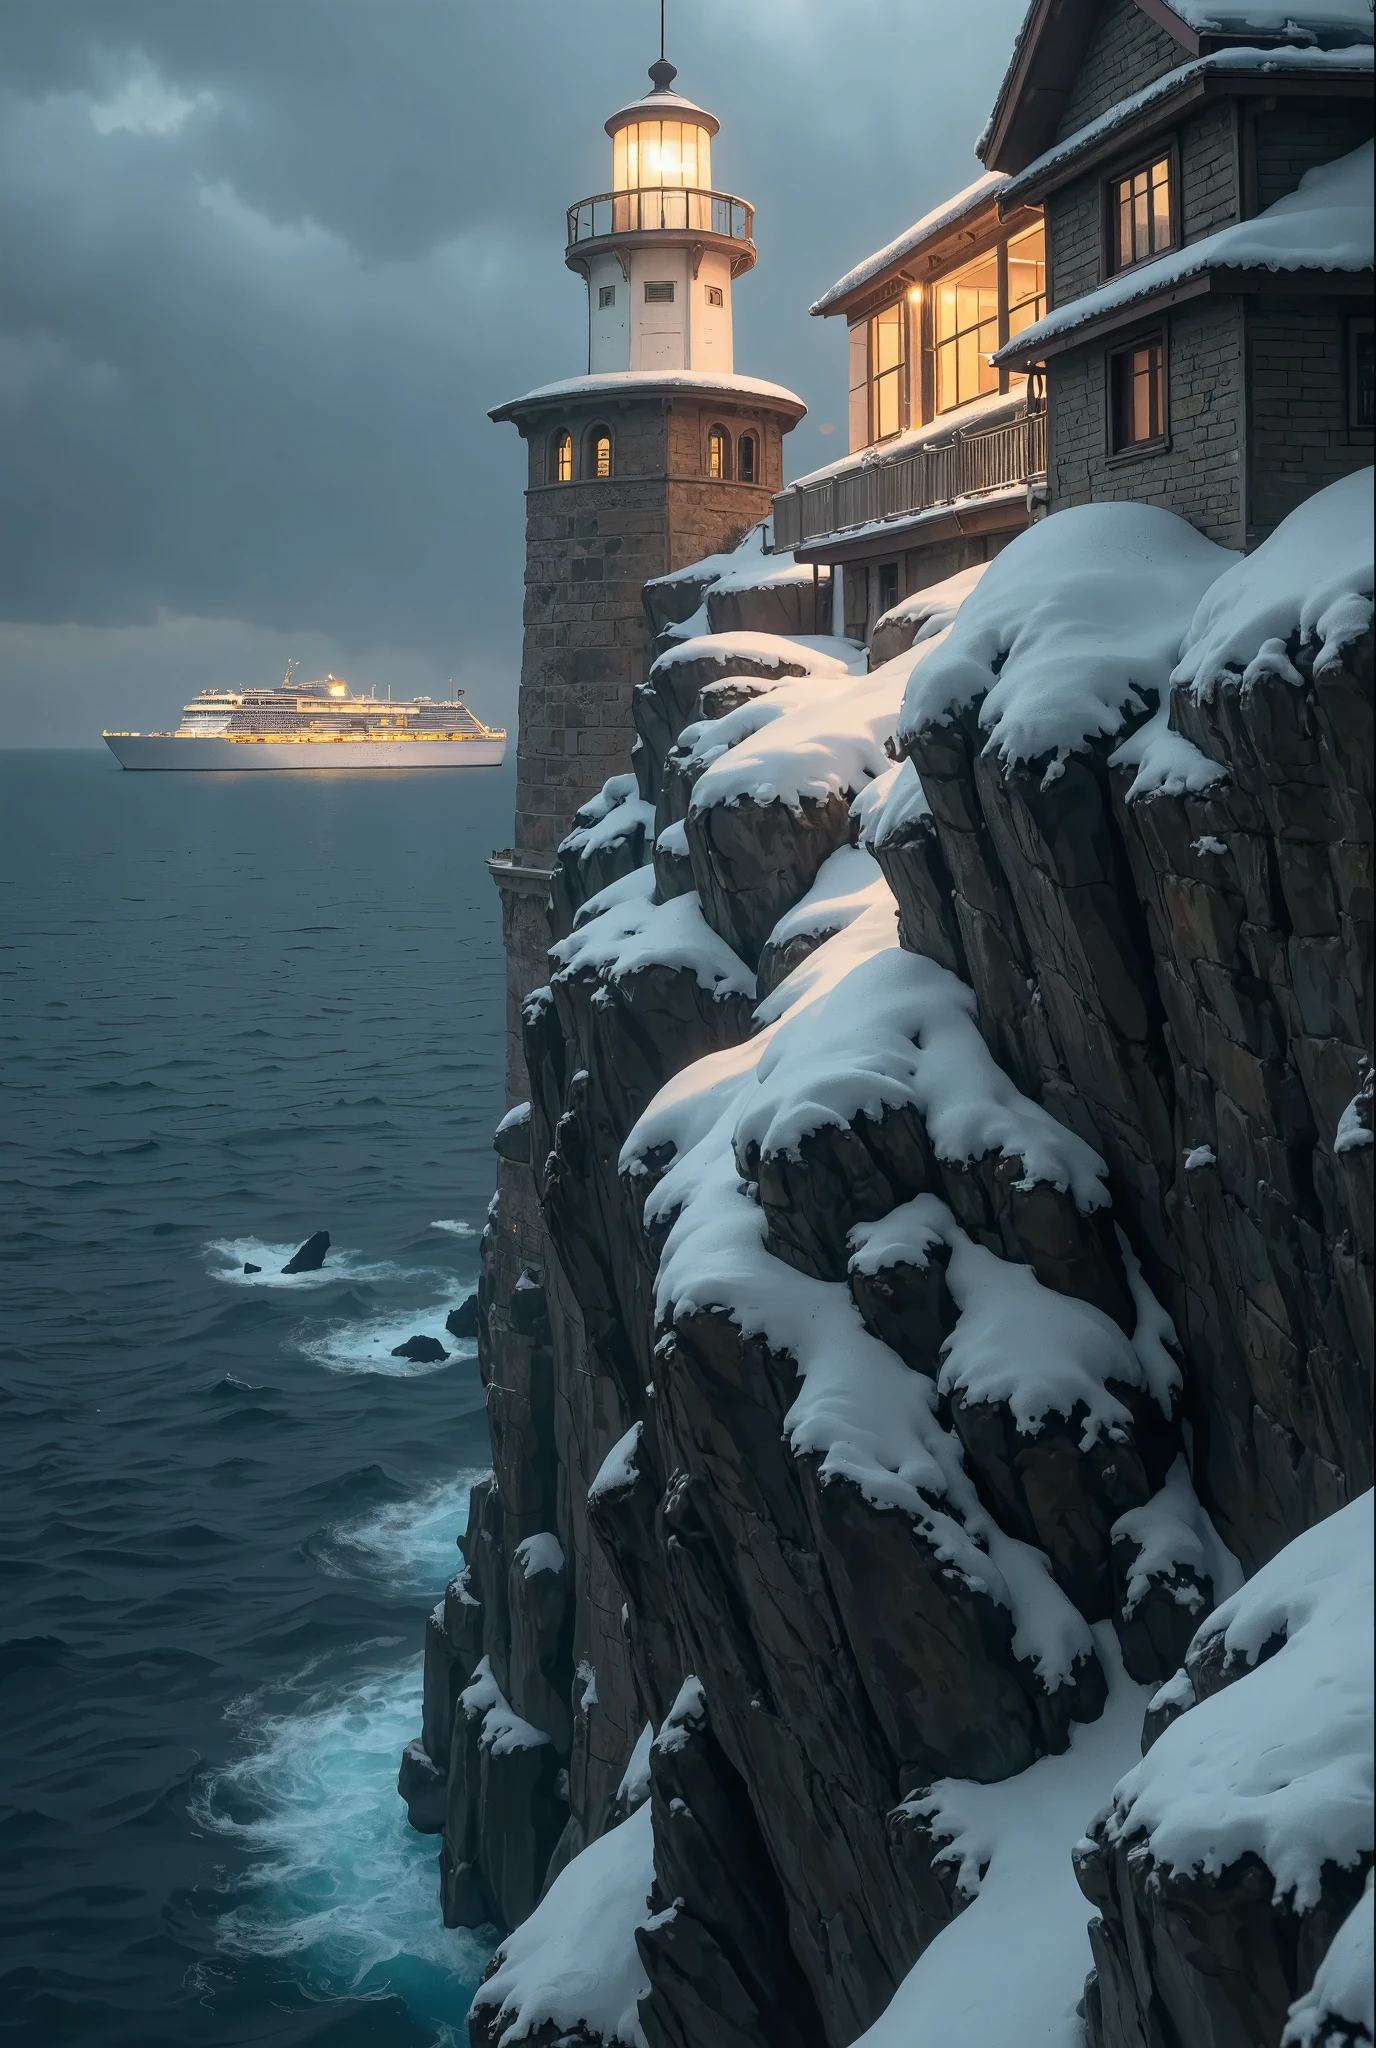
(920, 479)
(681, 208)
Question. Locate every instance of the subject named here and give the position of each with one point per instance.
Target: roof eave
(1225, 279)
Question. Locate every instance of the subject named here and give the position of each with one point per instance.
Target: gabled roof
(1055, 34)
(951, 213)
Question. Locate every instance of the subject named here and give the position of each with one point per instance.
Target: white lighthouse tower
(660, 250)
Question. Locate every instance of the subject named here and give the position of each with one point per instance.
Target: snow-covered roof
(1276, 62)
(662, 106)
(984, 191)
(629, 383)
(1293, 19)
(1324, 226)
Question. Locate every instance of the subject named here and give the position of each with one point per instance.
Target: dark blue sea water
(233, 1010)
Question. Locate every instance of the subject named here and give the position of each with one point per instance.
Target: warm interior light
(338, 689)
(915, 295)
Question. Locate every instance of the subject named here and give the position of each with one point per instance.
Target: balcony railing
(680, 208)
(975, 460)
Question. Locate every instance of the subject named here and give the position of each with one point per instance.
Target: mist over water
(233, 1012)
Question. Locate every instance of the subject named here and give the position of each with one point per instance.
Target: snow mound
(503, 1728)
(1342, 1987)
(930, 609)
(1312, 580)
(622, 930)
(1072, 633)
(1279, 1763)
(848, 883)
(1009, 1971)
(811, 737)
(574, 1962)
(771, 650)
(1171, 1531)
(614, 813)
(887, 1028)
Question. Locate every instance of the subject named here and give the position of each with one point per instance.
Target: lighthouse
(650, 456)
(662, 249)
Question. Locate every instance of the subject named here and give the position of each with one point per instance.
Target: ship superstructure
(321, 724)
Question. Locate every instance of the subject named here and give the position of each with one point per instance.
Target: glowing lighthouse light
(661, 249)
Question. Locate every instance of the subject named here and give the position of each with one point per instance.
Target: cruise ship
(314, 725)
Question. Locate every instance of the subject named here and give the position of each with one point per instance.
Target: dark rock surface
(421, 1350)
(310, 1256)
(462, 1322)
(1200, 1018)
(251, 1269)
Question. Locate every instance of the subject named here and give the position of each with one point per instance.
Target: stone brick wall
(590, 547)
(1199, 473)
(1126, 51)
(1074, 239)
(1297, 135)
(1209, 195)
(1299, 437)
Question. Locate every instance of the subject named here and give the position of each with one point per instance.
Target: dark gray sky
(265, 264)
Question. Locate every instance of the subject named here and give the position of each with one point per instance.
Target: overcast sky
(265, 264)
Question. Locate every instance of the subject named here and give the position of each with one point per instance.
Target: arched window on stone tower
(599, 447)
(561, 457)
(747, 459)
(718, 452)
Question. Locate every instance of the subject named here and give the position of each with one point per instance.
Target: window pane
(603, 455)
(967, 365)
(619, 160)
(888, 339)
(946, 391)
(987, 340)
(886, 397)
(945, 311)
(746, 462)
(1161, 205)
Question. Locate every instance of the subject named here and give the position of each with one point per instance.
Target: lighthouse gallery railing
(679, 208)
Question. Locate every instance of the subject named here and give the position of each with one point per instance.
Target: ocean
(233, 1010)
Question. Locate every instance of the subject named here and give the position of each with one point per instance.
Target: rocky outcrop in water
(955, 1183)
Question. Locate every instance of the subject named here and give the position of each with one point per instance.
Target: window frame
(723, 475)
(748, 439)
(1109, 265)
(664, 288)
(599, 431)
(1156, 336)
(606, 296)
(561, 443)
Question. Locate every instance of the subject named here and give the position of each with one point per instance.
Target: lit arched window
(561, 458)
(599, 452)
(718, 452)
(746, 465)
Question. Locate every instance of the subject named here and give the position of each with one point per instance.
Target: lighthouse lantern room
(660, 250)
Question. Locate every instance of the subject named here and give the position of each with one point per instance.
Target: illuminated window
(718, 453)
(561, 459)
(646, 153)
(1143, 213)
(600, 452)
(878, 368)
(1137, 390)
(746, 465)
(966, 315)
(606, 295)
(1026, 279)
(659, 291)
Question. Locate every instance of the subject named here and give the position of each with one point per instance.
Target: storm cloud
(266, 264)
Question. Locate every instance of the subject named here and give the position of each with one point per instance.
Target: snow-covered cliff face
(951, 1117)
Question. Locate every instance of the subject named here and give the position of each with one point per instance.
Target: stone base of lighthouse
(592, 544)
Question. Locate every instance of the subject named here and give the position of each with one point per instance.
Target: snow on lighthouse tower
(660, 250)
(654, 456)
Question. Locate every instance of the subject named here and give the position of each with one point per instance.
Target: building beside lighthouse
(652, 455)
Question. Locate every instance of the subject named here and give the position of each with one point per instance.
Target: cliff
(929, 1505)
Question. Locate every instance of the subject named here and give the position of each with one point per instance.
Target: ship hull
(203, 754)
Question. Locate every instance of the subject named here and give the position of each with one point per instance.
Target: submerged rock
(251, 1269)
(422, 1350)
(310, 1257)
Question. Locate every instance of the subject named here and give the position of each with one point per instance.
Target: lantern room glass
(646, 153)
